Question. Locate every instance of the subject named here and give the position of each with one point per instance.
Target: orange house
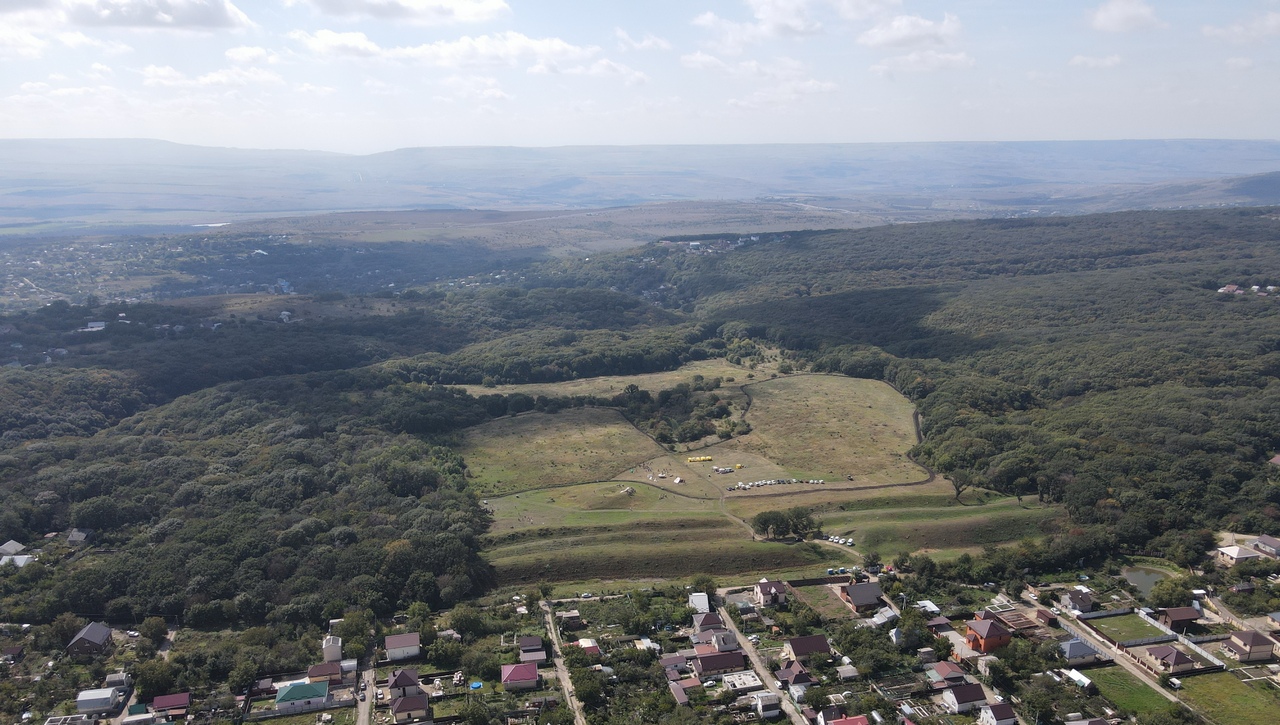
(986, 635)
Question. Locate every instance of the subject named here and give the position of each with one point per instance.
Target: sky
(363, 76)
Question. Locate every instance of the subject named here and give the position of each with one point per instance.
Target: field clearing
(632, 553)
(699, 479)
(824, 600)
(538, 450)
(614, 384)
(1228, 701)
(1126, 691)
(926, 535)
(592, 504)
(830, 427)
(826, 499)
(1125, 627)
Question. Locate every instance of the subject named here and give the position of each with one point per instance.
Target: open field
(824, 600)
(830, 427)
(890, 532)
(1126, 691)
(537, 450)
(1226, 700)
(1125, 627)
(593, 504)
(614, 384)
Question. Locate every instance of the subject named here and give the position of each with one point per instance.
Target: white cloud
(315, 90)
(1239, 63)
(475, 88)
(648, 42)
(703, 61)
(605, 68)
(785, 92)
(19, 43)
(1090, 61)
(1121, 16)
(908, 30)
(249, 54)
(330, 43)
(923, 61)
(771, 19)
(190, 14)
(77, 39)
(98, 71)
(508, 48)
(863, 9)
(429, 12)
(1263, 27)
(168, 76)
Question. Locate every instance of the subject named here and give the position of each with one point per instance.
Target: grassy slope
(1126, 691)
(1228, 701)
(1126, 627)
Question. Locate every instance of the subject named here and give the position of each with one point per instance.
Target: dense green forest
(243, 470)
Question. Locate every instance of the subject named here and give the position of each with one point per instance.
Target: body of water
(1143, 577)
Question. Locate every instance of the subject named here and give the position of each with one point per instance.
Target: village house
(719, 663)
(328, 672)
(793, 673)
(1076, 601)
(864, 597)
(93, 639)
(301, 695)
(98, 702)
(523, 676)
(79, 537)
(569, 619)
(1249, 646)
(403, 683)
(769, 594)
(588, 645)
(707, 621)
(532, 649)
(852, 720)
(999, 714)
(700, 602)
(962, 699)
(801, 649)
(943, 675)
(403, 646)
(411, 709)
(767, 705)
(1179, 618)
(1167, 658)
(173, 707)
(12, 655)
(11, 548)
(986, 635)
(1047, 618)
(1268, 545)
(1078, 653)
(1232, 555)
(331, 648)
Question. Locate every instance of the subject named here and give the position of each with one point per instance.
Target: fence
(1086, 616)
(298, 709)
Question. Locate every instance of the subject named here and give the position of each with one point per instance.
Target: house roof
(171, 702)
(1001, 711)
(707, 619)
(1265, 540)
(1181, 614)
(1169, 655)
(968, 693)
(1074, 648)
(327, 669)
(811, 644)
(852, 720)
(1079, 600)
(530, 643)
(937, 622)
(719, 661)
(987, 628)
(523, 672)
(1251, 638)
(95, 632)
(864, 594)
(409, 704)
(302, 691)
(400, 641)
(403, 678)
(79, 535)
(11, 547)
(1238, 552)
(678, 693)
(947, 670)
(768, 587)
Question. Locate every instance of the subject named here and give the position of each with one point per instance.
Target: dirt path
(765, 674)
(562, 672)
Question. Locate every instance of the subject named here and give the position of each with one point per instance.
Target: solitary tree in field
(960, 481)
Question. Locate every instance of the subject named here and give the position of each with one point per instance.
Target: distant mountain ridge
(138, 179)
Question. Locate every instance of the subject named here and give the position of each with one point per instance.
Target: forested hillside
(242, 469)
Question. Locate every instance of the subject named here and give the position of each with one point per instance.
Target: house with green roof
(302, 694)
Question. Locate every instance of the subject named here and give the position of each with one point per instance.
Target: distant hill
(44, 181)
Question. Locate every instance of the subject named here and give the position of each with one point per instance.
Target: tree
(152, 678)
(154, 629)
(960, 481)
(771, 524)
(242, 676)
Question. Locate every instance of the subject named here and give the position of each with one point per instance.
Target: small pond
(1143, 577)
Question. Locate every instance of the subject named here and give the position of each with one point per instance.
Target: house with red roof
(523, 676)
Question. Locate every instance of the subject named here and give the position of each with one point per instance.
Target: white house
(403, 646)
(332, 648)
(700, 602)
(963, 698)
(998, 714)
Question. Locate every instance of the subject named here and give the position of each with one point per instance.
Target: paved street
(562, 672)
(364, 710)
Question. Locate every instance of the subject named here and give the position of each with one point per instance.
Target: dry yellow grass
(538, 450)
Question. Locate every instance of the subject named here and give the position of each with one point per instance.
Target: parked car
(362, 698)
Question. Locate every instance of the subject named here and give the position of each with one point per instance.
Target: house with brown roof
(801, 649)
(864, 597)
(1047, 618)
(793, 673)
(532, 649)
(1168, 658)
(1179, 618)
(94, 638)
(706, 621)
(403, 683)
(986, 635)
(1249, 646)
(719, 663)
(172, 705)
(403, 646)
(411, 709)
(330, 672)
(769, 594)
(963, 698)
(12, 655)
(523, 676)
(943, 675)
(1076, 601)
(998, 714)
